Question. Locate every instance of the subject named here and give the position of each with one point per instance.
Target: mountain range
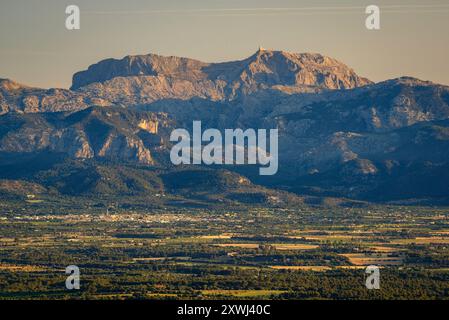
(340, 135)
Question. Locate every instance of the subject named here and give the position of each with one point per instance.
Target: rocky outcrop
(72, 141)
(142, 65)
(149, 126)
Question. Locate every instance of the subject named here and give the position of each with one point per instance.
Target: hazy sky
(36, 49)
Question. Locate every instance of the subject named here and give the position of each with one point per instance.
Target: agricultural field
(131, 252)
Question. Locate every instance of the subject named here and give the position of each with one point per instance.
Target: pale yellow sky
(36, 49)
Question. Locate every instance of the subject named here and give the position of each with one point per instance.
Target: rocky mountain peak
(283, 68)
(262, 70)
(139, 65)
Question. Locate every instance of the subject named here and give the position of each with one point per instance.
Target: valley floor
(131, 252)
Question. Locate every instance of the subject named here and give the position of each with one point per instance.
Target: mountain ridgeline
(340, 135)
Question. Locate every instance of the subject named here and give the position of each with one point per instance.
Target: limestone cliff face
(264, 68)
(142, 65)
(286, 72)
(148, 78)
(125, 148)
(150, 126)
(74, 142)
(138, 90)
(100, 132)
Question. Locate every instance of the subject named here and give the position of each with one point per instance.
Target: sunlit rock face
(148, 78)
